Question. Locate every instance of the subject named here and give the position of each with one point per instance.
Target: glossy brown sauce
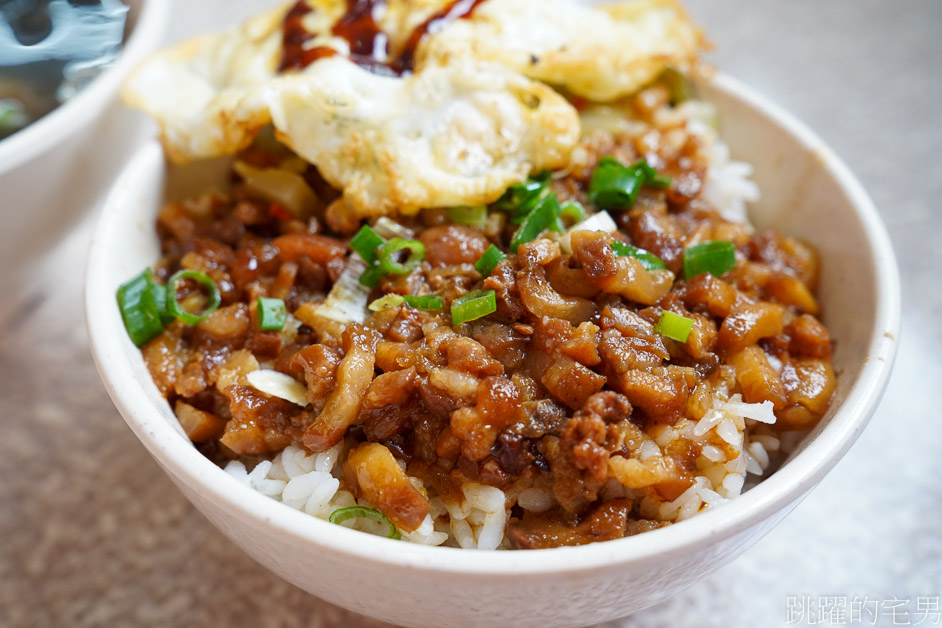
(369, 45)
(293, 38)
(455, 11)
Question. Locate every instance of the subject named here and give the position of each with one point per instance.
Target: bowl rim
(76, 113)
(786, 486)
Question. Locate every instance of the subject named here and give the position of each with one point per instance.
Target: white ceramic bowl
(53, 171)
(807, 192)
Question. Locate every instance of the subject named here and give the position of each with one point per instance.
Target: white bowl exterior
(417, 585)
(53, 171)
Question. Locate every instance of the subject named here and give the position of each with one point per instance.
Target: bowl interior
(806, 192)
(809, 194)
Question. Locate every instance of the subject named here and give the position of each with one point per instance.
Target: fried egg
(600, 52)
(475, 116)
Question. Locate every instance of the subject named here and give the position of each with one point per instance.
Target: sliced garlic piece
(601, 221)
(278, 385)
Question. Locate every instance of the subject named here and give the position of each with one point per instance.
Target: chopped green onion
(615, 186)
(649, 260)
(361, 512)
(652, 178)
(202, 279)
(674, 326)
(473, 306)
(160, 297)
(573, 211)
(474, 216)
(385, 255)
(542, 217)
(384, 262)
(272, 314)
(365, 242)
(139, 308)
(426, 302)
(716, 257)
(655, 179)
(521, 193)
(677, 84)
(372, 275)
(521, 198)
(534, 206)
(489, 261)
(659, 181)
(386, 301)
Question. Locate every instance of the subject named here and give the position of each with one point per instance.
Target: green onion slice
(212, 293)
(532, 205)
(160, 297)
(573, 211)
(677, 84)
(372, 275)
(361, 512)
(473, 306)
(385, 255)
(542, 217)
(365, 242)
(716, 257)
(426, 302)
(674, 326)
(521, 193)
(521, 198)
(475, 216)
(386, 301)
(614, 186)
(489, 261)
(557, 224)
(272, 314)
(384, 261)
(139, 308)
(659, 181)
(652, 178)
(649, 260)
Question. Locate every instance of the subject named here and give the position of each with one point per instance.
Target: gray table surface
(92, 533)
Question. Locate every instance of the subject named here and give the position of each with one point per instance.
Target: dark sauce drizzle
(369, 46)
(293, 38)
(457, 10)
